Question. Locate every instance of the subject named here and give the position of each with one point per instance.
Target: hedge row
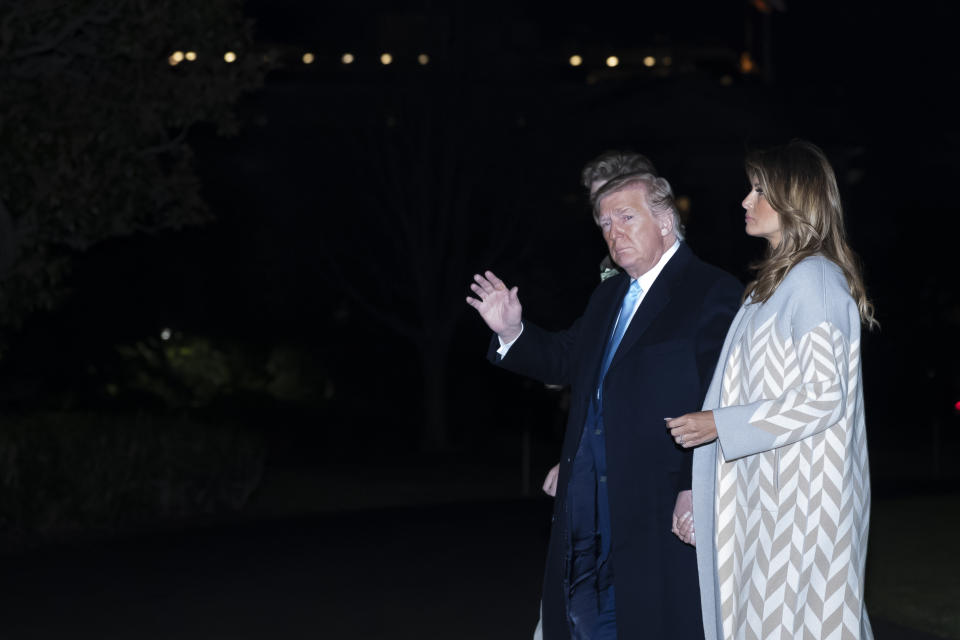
(68, 475)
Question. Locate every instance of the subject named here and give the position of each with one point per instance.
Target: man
(595, 174)
(644, 349)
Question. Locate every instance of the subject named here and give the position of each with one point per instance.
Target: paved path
(455, 571)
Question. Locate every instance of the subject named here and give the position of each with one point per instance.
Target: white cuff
(505, 346)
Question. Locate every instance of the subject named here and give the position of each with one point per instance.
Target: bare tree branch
(68, 30)
(173, 143)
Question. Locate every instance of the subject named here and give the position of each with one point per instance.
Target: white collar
(646, 280)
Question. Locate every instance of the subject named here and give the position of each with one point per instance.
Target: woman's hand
(693, 429)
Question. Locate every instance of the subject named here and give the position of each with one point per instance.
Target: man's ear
(666, 225)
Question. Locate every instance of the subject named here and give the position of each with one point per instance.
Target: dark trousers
(592, 603)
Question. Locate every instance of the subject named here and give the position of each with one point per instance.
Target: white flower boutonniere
(608, 273)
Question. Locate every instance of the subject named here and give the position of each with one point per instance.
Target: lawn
(913, 563)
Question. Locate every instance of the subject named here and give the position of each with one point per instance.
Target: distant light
(166, 334)
(172, 61)
(649, 61)
(575, 61)
(230, 56)
(177, 56)
(423, 59)
(746, 63)
(683, 204)
(956, 405)
(667, 61)
(308, 58)
(190, 55)
(613, 61)
(726, 80)
(347, 58)
(386, 58)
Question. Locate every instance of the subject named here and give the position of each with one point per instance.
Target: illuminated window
(746, 63)
(308, 58)
(386, 58)
(230, 56)
(423, 59)
(613, 61)
(683, 204)
(347, 58)
(575, 61)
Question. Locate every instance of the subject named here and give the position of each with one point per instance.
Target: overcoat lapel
(653, 302)
(599, 347)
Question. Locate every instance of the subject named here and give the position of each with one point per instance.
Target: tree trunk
(433, 361)
(8, 240)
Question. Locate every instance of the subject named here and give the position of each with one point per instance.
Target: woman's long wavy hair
(800, 185)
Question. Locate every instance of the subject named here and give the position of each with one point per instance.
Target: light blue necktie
(626, 308)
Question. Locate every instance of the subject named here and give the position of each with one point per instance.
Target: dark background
(356, 201)
(296, 229)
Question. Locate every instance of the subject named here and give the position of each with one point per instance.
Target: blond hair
(800, 185)
(657, 193)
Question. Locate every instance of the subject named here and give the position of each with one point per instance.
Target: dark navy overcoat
(662, 369)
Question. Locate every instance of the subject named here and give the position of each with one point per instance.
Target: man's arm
(717, 312)
(719, 307)
(500, 308)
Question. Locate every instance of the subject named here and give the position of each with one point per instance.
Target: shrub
(195, 372)
(66, 475)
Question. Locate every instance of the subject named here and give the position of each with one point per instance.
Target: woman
(781, 506)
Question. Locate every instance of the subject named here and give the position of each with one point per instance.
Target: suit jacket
(662, 368)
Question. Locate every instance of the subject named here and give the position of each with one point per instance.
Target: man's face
(636, 238)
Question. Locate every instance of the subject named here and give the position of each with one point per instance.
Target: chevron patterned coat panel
(789, 510)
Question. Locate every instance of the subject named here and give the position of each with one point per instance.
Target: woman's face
(762, 221)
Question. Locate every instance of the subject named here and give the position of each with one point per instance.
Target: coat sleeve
(803, 400)
(543, 355)
(552, 356)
